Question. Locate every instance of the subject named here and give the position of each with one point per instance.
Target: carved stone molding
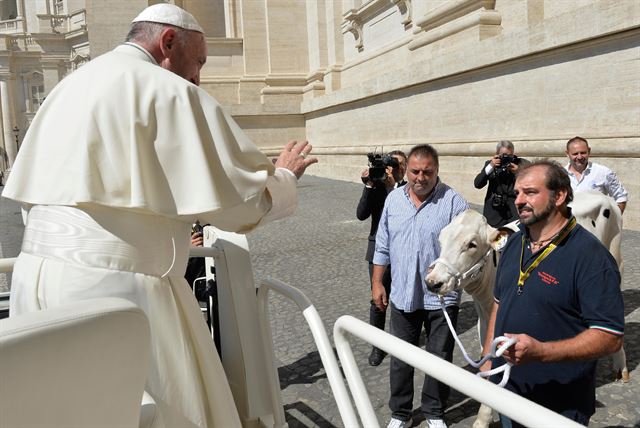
(405, 11)
(450, 11)
(353, 25)
(354, 19)
(456, 16)
(77, 60)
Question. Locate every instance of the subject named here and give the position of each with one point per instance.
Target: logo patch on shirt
(547, 278)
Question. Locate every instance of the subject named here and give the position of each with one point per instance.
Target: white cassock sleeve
(284, 195)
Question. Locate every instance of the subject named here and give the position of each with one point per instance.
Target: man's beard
(537, 217)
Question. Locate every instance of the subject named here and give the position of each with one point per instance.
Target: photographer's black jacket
(371, 204)
(501, 182)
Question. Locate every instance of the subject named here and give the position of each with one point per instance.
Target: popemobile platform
(84, 364)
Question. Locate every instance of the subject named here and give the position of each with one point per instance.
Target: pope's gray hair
(148, 32)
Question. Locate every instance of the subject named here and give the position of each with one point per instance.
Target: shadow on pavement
(306, 370)
(309, 416)
(467, 318)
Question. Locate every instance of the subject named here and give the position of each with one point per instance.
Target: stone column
(7, 122)
(21, 15)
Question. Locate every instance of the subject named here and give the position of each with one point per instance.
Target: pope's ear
(167, 41)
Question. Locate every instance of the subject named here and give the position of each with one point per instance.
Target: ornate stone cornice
(77, 60)
(449, 11)
(354, 19)
(405, 11)
(352, 24)
(454, 17)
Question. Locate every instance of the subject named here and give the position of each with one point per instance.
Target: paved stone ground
(321, 251)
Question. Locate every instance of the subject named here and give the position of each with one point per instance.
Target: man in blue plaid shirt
(407, 238)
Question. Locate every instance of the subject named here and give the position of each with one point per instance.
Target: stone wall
(464, 77)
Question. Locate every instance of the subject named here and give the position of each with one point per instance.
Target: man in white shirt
(585, 175)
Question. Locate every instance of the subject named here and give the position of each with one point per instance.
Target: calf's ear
(493, 236)
(498, 237)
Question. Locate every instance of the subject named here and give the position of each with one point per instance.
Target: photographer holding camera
(385, 173)
(499, 172)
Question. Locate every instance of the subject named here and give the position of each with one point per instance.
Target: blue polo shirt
(576, 287)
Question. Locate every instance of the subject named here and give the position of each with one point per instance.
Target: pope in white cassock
(123, 156)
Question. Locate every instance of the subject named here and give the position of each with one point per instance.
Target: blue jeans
(408, 326)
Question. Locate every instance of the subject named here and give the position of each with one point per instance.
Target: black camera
(498, 201)
(197, 228)
(378, 166)
(506, 160)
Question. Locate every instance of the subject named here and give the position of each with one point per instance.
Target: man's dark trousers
(408, 326)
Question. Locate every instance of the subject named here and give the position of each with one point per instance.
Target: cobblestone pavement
(321, 251)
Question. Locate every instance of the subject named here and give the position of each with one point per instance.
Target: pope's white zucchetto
(170, 14)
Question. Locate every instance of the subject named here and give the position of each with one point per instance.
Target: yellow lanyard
(552, 246)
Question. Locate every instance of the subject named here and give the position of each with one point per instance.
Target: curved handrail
(320, 337)
(506, 402)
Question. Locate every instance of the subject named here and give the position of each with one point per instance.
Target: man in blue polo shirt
(407, 238)
(558, 293)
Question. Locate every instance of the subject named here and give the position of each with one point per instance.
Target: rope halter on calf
(504, 342)
(471, 274)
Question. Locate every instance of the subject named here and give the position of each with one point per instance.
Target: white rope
(506, 343)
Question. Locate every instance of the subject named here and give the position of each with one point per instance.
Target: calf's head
(464, 243)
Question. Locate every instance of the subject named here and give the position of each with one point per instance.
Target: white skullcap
(166, 13)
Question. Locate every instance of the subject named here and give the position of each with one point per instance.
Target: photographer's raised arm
(482, 178)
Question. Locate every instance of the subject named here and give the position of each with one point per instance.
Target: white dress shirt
(598, 177)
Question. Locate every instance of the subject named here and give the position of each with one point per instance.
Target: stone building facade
(354, 76)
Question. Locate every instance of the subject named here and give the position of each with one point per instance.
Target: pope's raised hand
(294, 157)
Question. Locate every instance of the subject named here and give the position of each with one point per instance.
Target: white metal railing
(512, 405)
(320, 337)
